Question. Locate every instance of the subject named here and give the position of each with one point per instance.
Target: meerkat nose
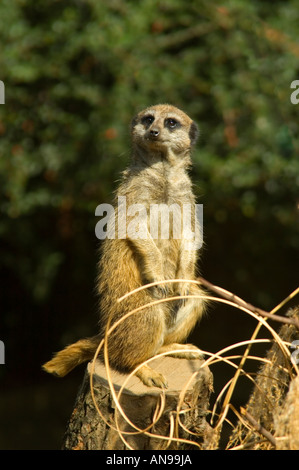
(154, 132)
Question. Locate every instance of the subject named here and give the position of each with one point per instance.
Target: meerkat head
(163, 128)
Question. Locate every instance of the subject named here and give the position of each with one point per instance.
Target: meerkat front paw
(160, 291)
(151, 378)
(183, 289)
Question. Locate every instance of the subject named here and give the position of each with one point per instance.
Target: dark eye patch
(172, 124)
(147, 120)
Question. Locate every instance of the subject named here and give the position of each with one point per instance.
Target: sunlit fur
(157, 174)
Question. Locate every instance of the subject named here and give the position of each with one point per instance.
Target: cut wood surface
(148, 418)
(177, 371)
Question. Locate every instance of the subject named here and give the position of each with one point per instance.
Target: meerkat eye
(171, 123)
(147, 120)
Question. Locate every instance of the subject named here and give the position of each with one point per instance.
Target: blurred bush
(75, 73)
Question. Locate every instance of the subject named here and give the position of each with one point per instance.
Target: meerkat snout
(153, 133)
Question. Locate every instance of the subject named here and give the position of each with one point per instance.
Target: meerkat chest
(167, 187)
(178, 188)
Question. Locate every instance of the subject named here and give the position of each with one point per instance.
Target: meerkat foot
(185, 351)
(151, 378)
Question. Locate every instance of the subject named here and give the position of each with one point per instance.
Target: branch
(237, 300)
(258, 427)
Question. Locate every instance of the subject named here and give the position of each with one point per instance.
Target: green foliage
(75, 72)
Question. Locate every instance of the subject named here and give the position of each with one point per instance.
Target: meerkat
(162, 138)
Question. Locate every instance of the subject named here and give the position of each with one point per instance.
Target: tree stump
(151, 419)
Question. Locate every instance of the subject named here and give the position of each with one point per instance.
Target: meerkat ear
(193, 133)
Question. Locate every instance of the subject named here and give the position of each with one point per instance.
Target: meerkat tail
(72, 356)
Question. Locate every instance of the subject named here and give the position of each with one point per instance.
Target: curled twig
(175, 419)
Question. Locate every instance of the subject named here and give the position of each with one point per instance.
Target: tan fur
(157, 175)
